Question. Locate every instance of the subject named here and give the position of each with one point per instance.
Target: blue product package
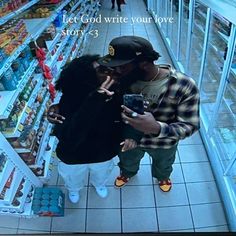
(2, 88)
(51, 203)
(9, 80)
(58, 22)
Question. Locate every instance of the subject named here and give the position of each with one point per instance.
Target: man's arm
(187, 119)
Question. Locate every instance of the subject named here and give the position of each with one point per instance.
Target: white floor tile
(197, 172)
(137, 196)
(9, 221)
(145, 222)
(194, 139)
(208, 215)
(177, 174)
(39, 223)
(103, 221)
(174, 218)
(192, 153)
(31, 232)
(111, 201)
(73, 221)
(205, 192)
(7, 230)
(177, 196)
(223, 228)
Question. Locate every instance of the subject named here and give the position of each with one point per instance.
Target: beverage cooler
(201, 42)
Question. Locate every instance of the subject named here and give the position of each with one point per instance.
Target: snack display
(7, 6)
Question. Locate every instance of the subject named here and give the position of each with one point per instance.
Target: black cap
(125, 49)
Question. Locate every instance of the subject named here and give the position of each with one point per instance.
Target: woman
(118, 2)
(88, 125)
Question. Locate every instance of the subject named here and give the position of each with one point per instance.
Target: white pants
(74, 175)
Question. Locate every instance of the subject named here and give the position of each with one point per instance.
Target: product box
(48, 202)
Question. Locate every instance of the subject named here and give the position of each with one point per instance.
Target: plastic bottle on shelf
(2, 88)
(16, 69)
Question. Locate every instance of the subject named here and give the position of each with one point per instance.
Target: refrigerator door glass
(196, 50)
(213, 67)
(173, 28)
(225, 127)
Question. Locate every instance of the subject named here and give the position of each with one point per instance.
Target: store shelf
(228, 103)
(51, 44)
(41, 111)
(76, 5)
(233, 71)
(8, 17)
(6, 65)
(200, 28)
(10, 193)
(225, 146)
(4, 175)
(26, 189)
(37, 26)
(21, 207)
(8, 98)
(49, 158)
(53, 60)
(201, 14)
(223, 36)
(68, 51)
(75, 52)
(42, 147)
(19, 127)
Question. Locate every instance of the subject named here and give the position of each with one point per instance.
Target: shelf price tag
(50, 167)
(54, 154)
(20, 127)
(27, 110)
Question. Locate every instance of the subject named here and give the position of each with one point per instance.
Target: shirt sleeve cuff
(163, 130)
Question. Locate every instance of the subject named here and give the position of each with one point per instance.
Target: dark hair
(78, 73)
(151, 57)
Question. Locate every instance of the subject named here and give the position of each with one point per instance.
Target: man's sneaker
(74, 196)
(165, 185)
(121, 181)
(102, 191)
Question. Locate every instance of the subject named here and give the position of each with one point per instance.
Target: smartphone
(134, 102)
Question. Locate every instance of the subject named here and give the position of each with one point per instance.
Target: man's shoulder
(178, 77)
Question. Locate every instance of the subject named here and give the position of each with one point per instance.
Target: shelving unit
(29, 162)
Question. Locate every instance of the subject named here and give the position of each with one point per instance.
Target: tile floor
(193, 205)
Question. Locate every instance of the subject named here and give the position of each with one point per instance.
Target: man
(172, 112)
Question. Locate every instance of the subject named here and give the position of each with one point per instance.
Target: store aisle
(193, 205)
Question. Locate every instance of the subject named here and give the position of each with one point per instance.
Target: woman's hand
(128, 144)
(104, 88)
(53, 115)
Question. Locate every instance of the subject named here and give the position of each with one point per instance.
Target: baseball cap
(125, 49)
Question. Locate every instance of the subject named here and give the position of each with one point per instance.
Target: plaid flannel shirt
(176, 110)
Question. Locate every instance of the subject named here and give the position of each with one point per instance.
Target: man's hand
(145, 123)
(53, 115)
(128, 144)
(104, 88)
